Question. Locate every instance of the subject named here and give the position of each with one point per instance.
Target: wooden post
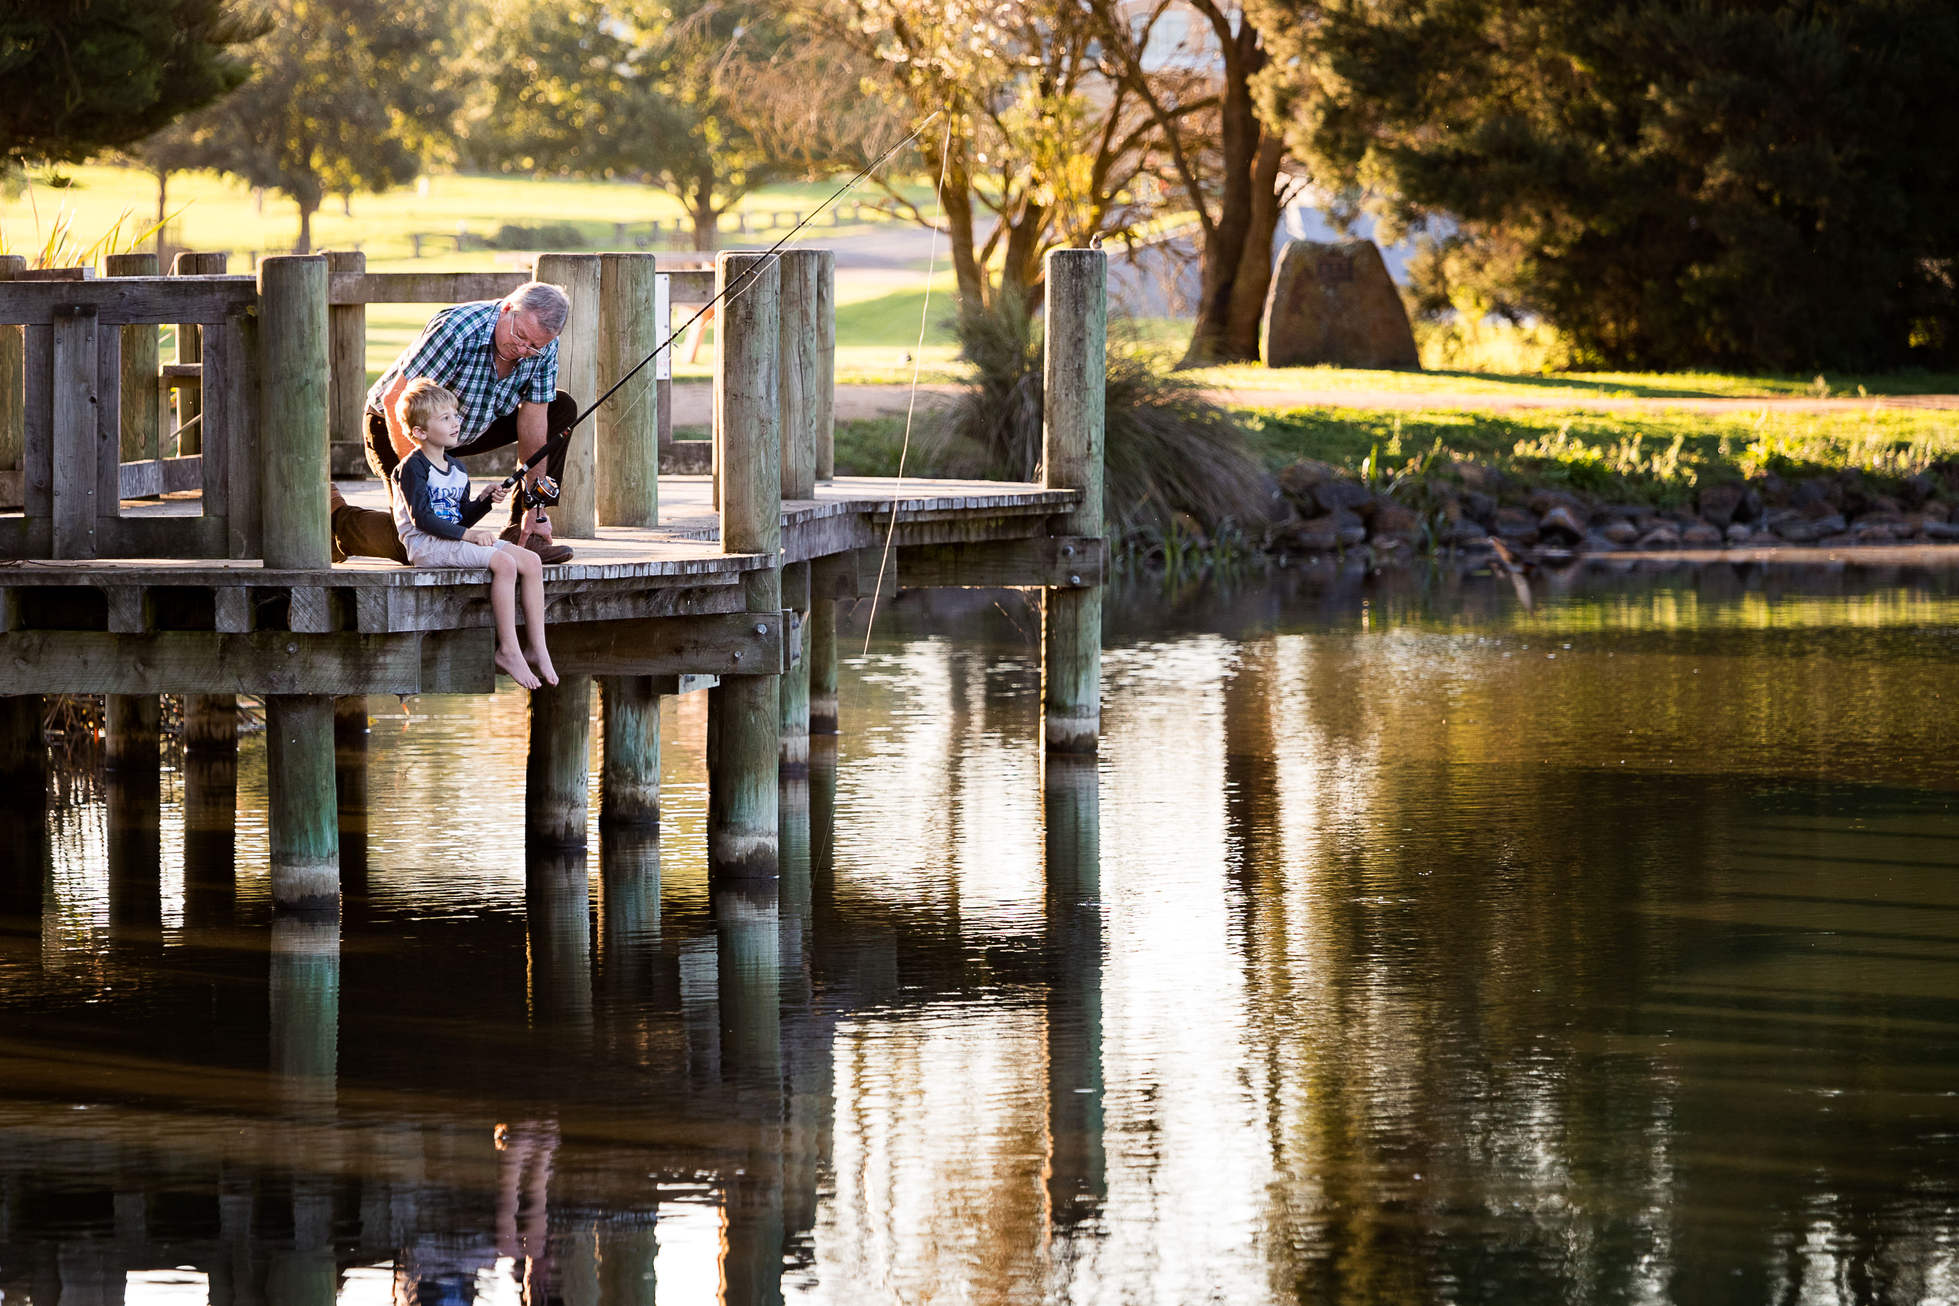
(824, 389)
(293, 410)
(132, 727)
(557, 776)
(629, 789)
(13, 388)
(793, 756)
(576, 516)
(798, 361)
(142, 399)
(76, 434)
(23, 746)
(301, 818)
(628, 433)
(743, 711)
(347, 368)
(211, 723)
(820, 655)
(190, 349)
(1074, 383)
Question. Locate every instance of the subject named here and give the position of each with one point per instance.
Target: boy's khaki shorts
(434, 551)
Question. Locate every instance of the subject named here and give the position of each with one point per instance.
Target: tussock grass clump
(1171, 457)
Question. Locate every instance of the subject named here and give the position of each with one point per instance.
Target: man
(500, 359)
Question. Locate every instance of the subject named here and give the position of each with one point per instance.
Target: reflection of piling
(350, 782)
(629, 778)
(626, 1256)
(304, 998)
(748, 968)
(23, 809)
(557, 773)
(1074, 382)
(629, 915)
(557, 919)
(306, 1274)
(743, 711)
(792, 802)
(822, 812)
(133, 758)
(820, 655)
(210, 809)
(1078, 1169)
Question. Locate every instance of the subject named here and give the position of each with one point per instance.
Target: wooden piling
(824, 390)
(743, 711)
(557, 776)
(211, 723)
(132, 727)
(629, 777)
(142, 399)
(347, 363)
(798, 362)
(1074, 382)
(293, 410)
(820, 655)
(792, 757)
(301, 817)
(628, 431)
(190, 349)
(578, 275)
(23, 746)
(13, 388)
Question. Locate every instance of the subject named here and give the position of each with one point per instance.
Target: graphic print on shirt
(446, 501)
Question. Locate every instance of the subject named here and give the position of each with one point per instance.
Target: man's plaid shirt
(455, 350)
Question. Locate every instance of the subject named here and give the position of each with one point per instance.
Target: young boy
(435, 517)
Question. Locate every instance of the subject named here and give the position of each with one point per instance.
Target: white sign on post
(663, 315)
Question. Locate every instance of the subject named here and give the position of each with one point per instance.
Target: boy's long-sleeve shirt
(434, 502)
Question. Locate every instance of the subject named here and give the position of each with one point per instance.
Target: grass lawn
(1555, 385)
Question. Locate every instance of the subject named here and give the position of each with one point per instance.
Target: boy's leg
(503, 604)
(530, 573)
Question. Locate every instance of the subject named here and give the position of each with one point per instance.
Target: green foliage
(1168, 453)
(345, 95)
(82, 78)
(1667, 184)
(550, 236)
(630, 88)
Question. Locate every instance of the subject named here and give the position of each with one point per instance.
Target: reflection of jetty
(131, 574)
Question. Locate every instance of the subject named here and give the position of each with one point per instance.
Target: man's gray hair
(547, 305)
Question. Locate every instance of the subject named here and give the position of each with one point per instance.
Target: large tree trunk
(1245, 312)
(162, 195)
(957, 202)
(701, 212)
(1232, 247)
(305, 245)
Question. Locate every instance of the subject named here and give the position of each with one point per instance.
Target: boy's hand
(498, 492)
(481, 535)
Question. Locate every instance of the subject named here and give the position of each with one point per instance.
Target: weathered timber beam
(724, 645)
(182, 376)
(1055, 562)
(130, 301)
(147, 479)
(852, 574)
(457, 606)
(421, 287)
(198, 662)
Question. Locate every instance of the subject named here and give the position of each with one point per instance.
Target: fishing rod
(543, 492)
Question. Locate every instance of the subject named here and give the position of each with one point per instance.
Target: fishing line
(730, 292)
(917, 362)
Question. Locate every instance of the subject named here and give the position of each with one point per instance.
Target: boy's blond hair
(421, 401)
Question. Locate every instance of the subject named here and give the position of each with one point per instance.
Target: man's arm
(397, 436)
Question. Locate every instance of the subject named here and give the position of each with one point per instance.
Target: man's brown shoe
(547, 552)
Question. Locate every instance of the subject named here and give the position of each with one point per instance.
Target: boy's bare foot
(542, 661)
(512, 664)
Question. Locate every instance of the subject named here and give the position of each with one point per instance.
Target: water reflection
(1400, 947)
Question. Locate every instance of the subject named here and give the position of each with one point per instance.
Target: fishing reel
(540, 493)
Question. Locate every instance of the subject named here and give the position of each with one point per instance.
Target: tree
(608, 88)
(87, 77)
(1224, 159)
(1667, 183)
(346, 95)
(1040, 135)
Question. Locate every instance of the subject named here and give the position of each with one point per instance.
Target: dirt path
(693, 401)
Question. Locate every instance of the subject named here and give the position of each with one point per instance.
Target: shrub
(1169, 452)
(551, 236)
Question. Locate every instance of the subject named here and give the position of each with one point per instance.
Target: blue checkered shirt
(455, 350)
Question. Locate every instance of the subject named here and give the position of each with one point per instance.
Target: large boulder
(1335, 303)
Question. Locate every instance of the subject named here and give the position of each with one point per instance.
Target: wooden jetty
(131, 570)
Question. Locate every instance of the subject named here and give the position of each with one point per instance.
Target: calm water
(1402, 947)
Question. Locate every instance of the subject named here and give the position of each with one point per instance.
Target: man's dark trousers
(382, 458)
